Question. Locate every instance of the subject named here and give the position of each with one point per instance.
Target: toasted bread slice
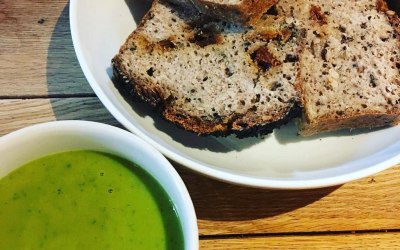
(212, 77)
(235, 11)
(349, 69)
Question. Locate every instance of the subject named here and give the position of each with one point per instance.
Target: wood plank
(340, 241)
(36, 51)
(369, 204)
(18, 113)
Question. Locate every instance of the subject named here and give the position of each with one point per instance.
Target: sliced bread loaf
(236, 11)
(212, 77)
(349, 69)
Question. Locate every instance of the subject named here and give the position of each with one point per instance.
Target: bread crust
(248, 12)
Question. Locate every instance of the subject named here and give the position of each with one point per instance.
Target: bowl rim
(70, 125)
(208, 169)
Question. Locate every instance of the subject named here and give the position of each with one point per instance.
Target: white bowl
(280, 160)
(33, 142)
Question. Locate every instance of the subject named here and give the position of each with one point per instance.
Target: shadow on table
(228, 202)
(71, 95)
(64, 74)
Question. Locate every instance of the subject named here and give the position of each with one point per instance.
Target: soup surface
(85, 200)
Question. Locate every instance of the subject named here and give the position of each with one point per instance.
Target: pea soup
(86, 200)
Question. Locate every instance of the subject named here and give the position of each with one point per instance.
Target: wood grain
(371, 203)
(19, 113)
(340, 241)
(37, 57)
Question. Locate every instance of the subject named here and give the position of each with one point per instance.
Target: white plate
(279, 160)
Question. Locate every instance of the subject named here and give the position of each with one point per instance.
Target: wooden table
(41, 81)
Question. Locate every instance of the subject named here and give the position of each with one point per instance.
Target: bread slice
(235, 11)
(212, 77)
(349, 69)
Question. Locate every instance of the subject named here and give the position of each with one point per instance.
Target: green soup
(85, 200)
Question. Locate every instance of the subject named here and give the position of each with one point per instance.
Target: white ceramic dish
(40, 140)
(281, 160)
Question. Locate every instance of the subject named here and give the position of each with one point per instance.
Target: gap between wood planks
(47, 96)
(283, 234)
